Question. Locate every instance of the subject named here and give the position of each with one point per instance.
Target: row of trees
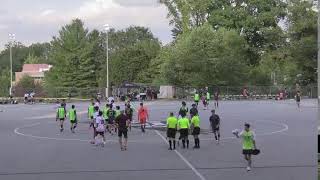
(234, 43)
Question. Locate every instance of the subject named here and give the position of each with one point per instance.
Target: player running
(100, 129)
(105, 113)
(73, 118)
(216, 100)
(184, 126)
(172, 122)
(298, 98)
(111, 118)
(208, 98)
(196, 98)
(143, 115)
(215, 125)
(248, 143)
(61, 115)
(91, 113)
(195, 124)
(129, 113)
(122, 122)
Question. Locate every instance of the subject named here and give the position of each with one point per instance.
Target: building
(36, 71)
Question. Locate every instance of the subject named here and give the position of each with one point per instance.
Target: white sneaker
(217, 141)
(248, 169)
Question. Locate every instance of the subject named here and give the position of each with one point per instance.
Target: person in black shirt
(129, 113)
(193, 111)
(184, 109)
(215, 125)
(122, 122)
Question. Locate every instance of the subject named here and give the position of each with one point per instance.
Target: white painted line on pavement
(183, 158)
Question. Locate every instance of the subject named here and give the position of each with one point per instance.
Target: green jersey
(90, 111)
(247, 140)
(172, 122)
(195, 121)
(184, 123)
(105, 113)
(72, 115)
(208, 96)
(117, 113)
(61, 113)
(196, 97)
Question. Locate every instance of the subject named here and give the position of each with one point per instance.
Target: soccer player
(172, 122)
(216, 99)
(91, 113)
(122, 122)
(143, 115)
(105, 113)
(195, 123)
(196, 98)
(184, 126)
(129, 113)
(61, 115)
(73, 118)
(248, 144)
(215, 125)
(298, 98)
(100, 128)
(183, 109)
(208, 97)
(111, 118)
(193, 110)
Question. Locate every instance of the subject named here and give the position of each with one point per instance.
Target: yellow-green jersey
(90, 111)
(105, 113)
(183, 123)
(61, 113)
(208, 96)
(72, 115)
(196, 97)
(248, 138)
(195, 121)
(172, 122)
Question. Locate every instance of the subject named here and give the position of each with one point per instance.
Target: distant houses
(36, 71)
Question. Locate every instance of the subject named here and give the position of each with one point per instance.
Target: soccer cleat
(248, 169)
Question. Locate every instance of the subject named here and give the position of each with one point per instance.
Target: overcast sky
(39, 20)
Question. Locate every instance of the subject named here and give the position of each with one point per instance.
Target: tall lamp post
(12, 38)
(106, 28)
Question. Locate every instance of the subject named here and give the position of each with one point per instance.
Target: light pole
(12, 38)
(106, 29)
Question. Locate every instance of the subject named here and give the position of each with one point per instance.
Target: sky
(38, 20)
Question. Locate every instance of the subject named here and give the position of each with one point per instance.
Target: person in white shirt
(100, 128)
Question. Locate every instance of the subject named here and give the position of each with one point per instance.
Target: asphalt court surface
(31, 146)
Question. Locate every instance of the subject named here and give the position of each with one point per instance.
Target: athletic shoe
(217, 141)
(248, 169)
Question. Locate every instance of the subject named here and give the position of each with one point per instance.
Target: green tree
(73, 57)
(206, 57)
(303, 39)
(131, 51)
(4, 82)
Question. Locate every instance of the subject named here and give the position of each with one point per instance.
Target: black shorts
(99, 133)
(184, 133)
(73, 121)
(171, 133)
(123, 132)
(215, 129)
(247, 151)
(196, 101)
(196, 131)
(61, 119)
(91, 117)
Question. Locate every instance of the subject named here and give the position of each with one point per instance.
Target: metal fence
(254, 92)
